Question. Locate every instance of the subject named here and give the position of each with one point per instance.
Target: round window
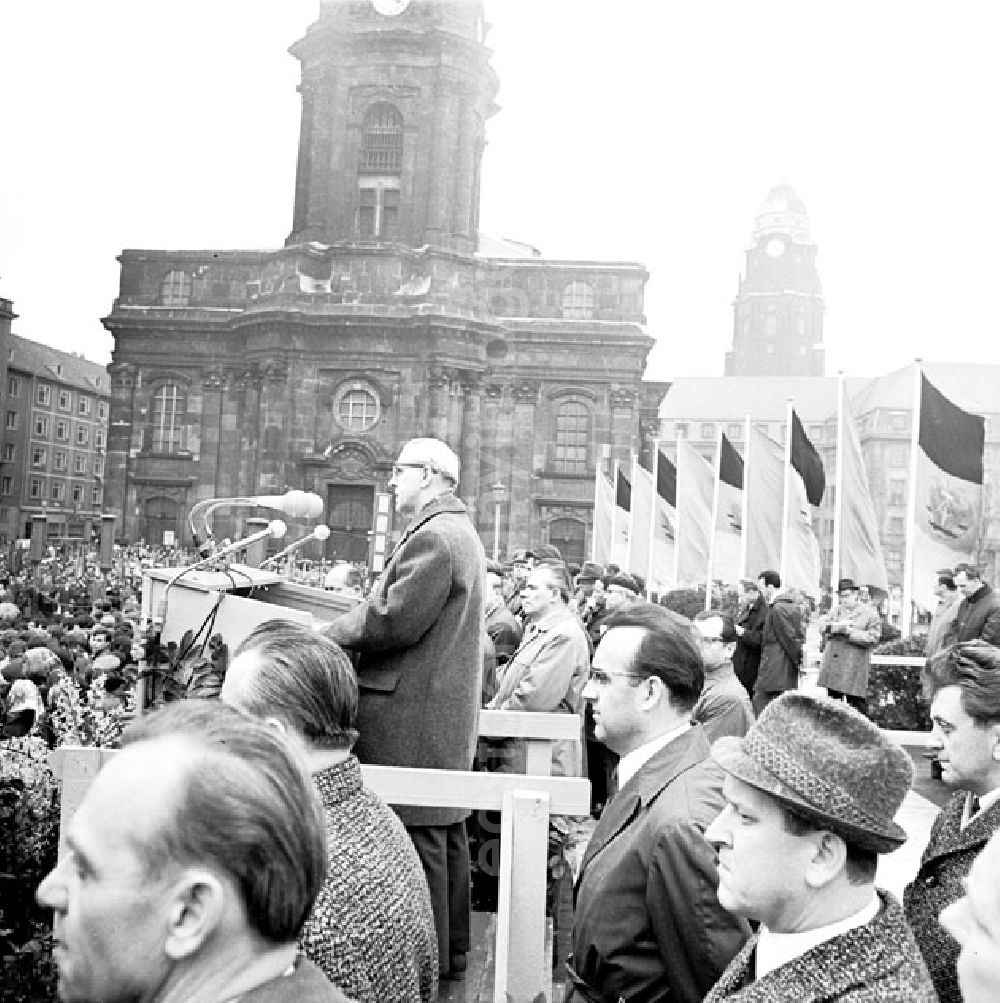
(357, 409)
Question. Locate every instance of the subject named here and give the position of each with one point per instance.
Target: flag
(620, 523)
(948, 488)
(729, 515)
(695, 487)
(641, 513)
(604, 504)
(664, 520)
(801, 560)
(860, 550)
(764, 483)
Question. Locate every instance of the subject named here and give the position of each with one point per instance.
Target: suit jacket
(548, 673)
(875, 963)
(421, 635)
(307, 984)
(847, 658)
(978, 617)
(943, 867)
(746, 657)
(648, 924)
(781, 643)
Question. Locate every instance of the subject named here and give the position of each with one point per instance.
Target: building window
(708, 429)
(77, 493)
(98, 466)
(95, 496)
(897, 492)
(38, 457)
(58, 490)
(176, 289)
(382, 141)
(165, 421)
(43, 394)
(83, 406)
(62, 430)
(102, 411)
(100, 437)
(734, 432)
(578, 301)
(82, 435)
(41, 425)
(35, 487)
(572, 437)
(59, 459)
(9, 452)
(65, 400)
(6, 485)
(357, 409)
(378, 211)
(13, 387)
(79, 464)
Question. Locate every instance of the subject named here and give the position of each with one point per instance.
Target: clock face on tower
(390, 7)
(775, 248)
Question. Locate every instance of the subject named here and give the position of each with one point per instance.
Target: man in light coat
(420, 635)
(848, 633)
(811, 792)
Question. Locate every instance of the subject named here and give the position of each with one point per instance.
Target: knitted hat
(829, 763)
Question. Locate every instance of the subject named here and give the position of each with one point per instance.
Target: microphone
(295, 504)
(319, 533)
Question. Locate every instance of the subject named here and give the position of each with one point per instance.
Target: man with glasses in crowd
(420, 635)
(648, 924)
(723, 707)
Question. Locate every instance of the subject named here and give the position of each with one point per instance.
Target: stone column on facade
(107, 551)
(472, 442)
(213, 385)
(464, 175)
(442, 163)
(439, 381)
(456, 406)
(624, 426)
(303, 168)
(522, 516)
(321, 171)
(274, 409)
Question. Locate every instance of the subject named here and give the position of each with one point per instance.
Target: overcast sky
(645, 130)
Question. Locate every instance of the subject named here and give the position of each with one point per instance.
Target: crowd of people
(232, 849)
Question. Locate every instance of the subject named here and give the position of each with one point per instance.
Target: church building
(384, 316)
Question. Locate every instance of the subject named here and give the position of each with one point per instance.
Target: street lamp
(499, 491)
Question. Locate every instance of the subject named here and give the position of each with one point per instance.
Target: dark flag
(806, 461)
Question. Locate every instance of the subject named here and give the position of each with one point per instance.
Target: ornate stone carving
(621, 397)
(351, 462)
(526, 391)
(495, 391)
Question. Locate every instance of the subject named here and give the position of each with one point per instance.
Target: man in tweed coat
(420, 635)
(811, 792)
(964, 686)
(849, 632)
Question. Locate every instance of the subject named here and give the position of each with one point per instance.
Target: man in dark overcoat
(420, 635)
(781, 643)
(978, 613)
(647, 924)
(964, 687)
(750, 634)
(849, 632)
(811, 791)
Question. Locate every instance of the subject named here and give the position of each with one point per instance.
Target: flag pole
(631, 514)
(612, 555)
(744, 529)
(906, 613)
(783, 559)
(598, 474)
(838, 501)
(652, 517)
(677, 516)
(715, 518)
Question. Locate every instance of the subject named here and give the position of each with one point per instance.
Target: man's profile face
(407, 480)
(615, 692)
(616, 596)
(762, 866)
(714, 651)
(966, 585)
(111, 918)
(966, 748)
(538, 593)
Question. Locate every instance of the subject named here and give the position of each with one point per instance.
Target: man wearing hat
(847, 635)
(811, 792)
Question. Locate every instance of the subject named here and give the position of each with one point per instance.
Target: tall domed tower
(778, 310)
(395, 98)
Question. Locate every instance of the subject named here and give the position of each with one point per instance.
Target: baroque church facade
(384, 316)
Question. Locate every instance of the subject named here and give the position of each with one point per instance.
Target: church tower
(395, 98)
(778, 310)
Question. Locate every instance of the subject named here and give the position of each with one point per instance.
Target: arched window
(578, 301)
(165, 419)
(568, 535)
(382, 141)
(572, 437)
(176, 289)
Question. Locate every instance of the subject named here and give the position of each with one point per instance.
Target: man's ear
(197, 909)
(828, 860)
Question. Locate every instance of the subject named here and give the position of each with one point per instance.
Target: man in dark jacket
(648, 925)
(421, 635)
(749, 634)
(781, 643)
(979, 612)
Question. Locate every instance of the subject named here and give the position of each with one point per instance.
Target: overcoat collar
(679, 756)
(952, 838)
(445, 502)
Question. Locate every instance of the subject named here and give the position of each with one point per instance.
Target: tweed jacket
(420, 634)
(307, 984)
(371, 929)
(781, 646)
(548, 673)
(746, 657)
(875, 963)
(978, 617)
(648, 924)
(945, 863)
(847, 658)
